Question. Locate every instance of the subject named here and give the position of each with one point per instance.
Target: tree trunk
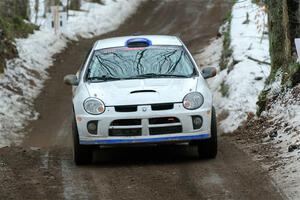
(280, 44)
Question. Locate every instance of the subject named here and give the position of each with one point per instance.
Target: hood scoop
(142, 91)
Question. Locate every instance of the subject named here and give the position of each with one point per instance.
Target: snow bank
(210, 57)
(284, 114)
(244, 78)
(247, 78)
(23, 79)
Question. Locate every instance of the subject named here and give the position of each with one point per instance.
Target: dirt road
(43, 167)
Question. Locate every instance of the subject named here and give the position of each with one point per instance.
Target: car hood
(142, 91)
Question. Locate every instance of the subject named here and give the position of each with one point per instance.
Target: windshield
(135, 63)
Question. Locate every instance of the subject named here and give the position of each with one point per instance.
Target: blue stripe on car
(145, 140)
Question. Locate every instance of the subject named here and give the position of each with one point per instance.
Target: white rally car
(141, 90)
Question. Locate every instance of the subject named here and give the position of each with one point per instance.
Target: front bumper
(144, 113)
(174, 138)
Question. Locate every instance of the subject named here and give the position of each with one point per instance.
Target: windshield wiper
(141, 76)
(102, 78)
(153, 75)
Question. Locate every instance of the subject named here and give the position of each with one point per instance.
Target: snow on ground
(24, 77)
(210, 57)
(247, 78)
(284, 114)
(244, 78)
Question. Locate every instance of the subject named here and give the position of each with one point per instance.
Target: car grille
(126, 127)
(125, 132)
(154, 107)
(164, 120)
(165, 130)
(165, 106)
(126, 122)
(155, 126)
(126, 108)
(164, 125)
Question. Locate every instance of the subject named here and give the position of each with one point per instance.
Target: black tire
(208, 148)
(82, 154)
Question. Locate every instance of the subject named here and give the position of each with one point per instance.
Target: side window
(80, 71)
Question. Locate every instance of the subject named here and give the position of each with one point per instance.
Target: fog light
(92, 127)
(197, 122)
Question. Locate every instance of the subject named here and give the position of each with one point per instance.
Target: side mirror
(209, 72)
(71, 80)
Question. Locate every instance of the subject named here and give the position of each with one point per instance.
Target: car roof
(121, 41)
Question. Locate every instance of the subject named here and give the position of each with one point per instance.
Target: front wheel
(82, 154)
(208, 148)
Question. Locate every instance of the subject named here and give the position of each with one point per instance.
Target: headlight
(94, 106)
(193, 101)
